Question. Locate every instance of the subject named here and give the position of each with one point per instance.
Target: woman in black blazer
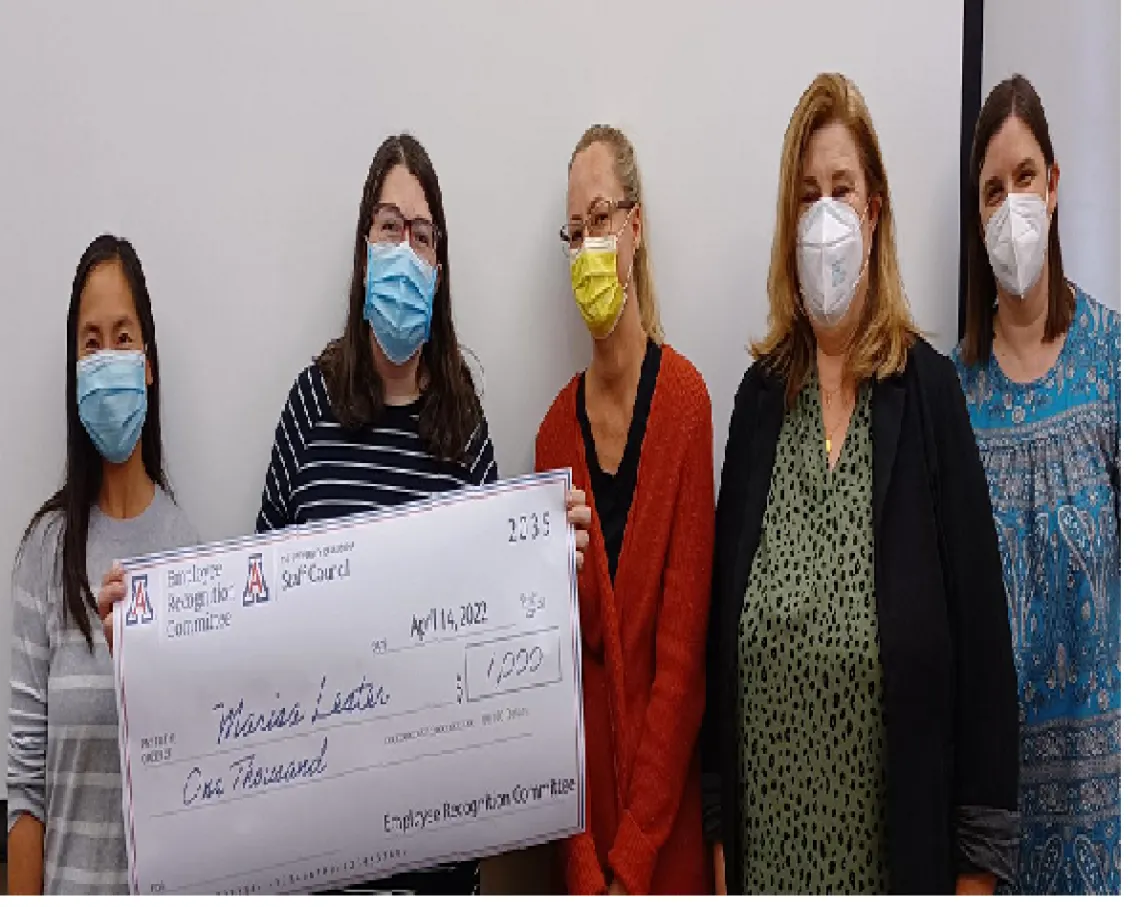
(861, 728)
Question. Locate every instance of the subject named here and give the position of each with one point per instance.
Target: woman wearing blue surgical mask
(388, 413)
(65, 830)
(861, 721)
(1040, 366)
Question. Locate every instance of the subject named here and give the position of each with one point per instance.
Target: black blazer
(950, 690)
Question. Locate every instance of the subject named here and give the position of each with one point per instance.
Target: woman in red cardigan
(636, 429)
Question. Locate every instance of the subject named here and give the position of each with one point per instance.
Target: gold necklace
(828, 396)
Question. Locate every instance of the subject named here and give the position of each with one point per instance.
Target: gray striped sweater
(63, 755)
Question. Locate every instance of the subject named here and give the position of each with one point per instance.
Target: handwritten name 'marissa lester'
(247, 773)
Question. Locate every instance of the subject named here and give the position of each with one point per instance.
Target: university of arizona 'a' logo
(256, 589)
(139, 611)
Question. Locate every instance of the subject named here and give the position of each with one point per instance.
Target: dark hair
(84, 471)
(1015, 97)
(451, 411)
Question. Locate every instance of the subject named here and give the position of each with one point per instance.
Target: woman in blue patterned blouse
(1040, 366)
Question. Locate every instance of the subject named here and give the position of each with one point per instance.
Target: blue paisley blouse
(1051, 451)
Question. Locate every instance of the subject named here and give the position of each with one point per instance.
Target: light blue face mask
(399, 289)
(111, 387)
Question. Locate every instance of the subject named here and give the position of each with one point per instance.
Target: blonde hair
(886, 330)
(629, 177)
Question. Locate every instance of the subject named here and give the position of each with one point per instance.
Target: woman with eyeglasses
(636, 429)
(388, 413)
(861, 732)
(1040, 366)
(65, 809)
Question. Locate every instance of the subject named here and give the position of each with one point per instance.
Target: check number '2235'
(529, 527)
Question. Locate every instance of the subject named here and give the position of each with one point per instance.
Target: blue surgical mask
(398, 292)
(111, 387)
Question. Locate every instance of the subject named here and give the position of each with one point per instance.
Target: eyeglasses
(390, 226)
(598, 222)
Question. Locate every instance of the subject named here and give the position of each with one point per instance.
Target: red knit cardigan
(643, 647)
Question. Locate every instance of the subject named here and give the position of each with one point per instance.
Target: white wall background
(1070, 51)
(230, 139)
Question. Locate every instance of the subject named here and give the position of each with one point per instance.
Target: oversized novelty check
(348, 700)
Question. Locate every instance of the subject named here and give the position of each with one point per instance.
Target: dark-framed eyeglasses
(389, 226)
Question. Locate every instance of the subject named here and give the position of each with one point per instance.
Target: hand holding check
(415, 715)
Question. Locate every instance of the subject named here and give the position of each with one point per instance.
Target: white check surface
(349, 700)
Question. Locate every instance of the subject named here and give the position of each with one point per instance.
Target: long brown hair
(1015, 97)
(886, 331)
(629, 176)
(451, 410)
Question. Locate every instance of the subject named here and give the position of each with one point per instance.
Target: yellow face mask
(597, 290)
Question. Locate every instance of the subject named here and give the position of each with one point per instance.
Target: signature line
(234, 875)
